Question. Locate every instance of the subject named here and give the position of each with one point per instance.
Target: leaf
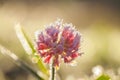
(19, 62)
(25, 41)
(41, 66)
(36, 59)
(103, 77)
(29, 48)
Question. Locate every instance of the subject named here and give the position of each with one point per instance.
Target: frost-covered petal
(58, 41)
(42, 46)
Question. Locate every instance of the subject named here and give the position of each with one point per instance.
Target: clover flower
(58, 42)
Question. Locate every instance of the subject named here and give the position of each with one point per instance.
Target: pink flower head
(58, 41)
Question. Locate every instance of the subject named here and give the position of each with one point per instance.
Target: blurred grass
(98, 23)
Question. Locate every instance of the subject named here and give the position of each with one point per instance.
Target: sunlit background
(98, 22)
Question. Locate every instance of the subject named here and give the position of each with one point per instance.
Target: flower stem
(52, 74)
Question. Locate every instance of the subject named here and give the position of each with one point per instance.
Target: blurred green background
(98, 22)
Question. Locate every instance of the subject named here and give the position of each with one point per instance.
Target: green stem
(52, 74)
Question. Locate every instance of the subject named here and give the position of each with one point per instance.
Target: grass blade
(103, 77)
(25, 41)
(28, 46)
(19, 62)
